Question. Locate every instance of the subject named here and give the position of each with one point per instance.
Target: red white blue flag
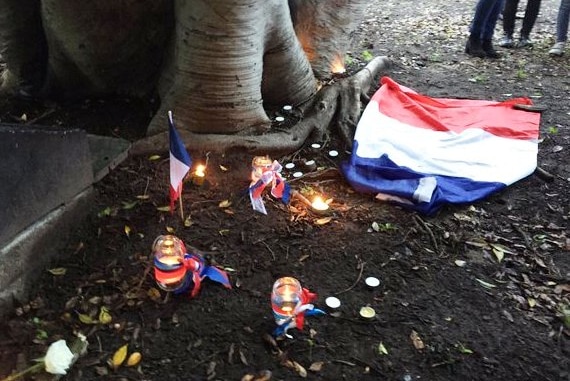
(425, 152)
(180, 162)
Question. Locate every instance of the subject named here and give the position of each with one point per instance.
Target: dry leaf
(485, 284)
(460, 263)
(531, 302)
(143, 196)
(225, 204)
(58, 271)
(382, 349)
(416, 340)
(170, 229)
(134, 359)
(128, 230)
(223, 169)
(188, 222)
(119, 357)
(561, 288)
(323, 221)
(153, 294)
(242, 358)
(154, 157)
(316, 366)
(297, 367)
(163, 208)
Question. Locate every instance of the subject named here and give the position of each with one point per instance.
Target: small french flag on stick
(180, 163)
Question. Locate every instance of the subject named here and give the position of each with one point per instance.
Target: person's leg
(530, 15)
(561, 28)
(562, 21)
(489, 29)
(509, 16)
(482, 10)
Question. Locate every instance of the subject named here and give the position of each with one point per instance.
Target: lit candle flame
(200, 170)
(319, 205)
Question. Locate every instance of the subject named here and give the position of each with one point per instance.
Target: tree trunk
(230, 58)
(102, 47)
(217, 64)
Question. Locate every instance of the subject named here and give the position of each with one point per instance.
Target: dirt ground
(476, 292)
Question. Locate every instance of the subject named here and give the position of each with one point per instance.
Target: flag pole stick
(181, 206)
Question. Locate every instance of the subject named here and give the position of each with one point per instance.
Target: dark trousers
(530, 15)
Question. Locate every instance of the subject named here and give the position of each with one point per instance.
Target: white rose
(58, 358)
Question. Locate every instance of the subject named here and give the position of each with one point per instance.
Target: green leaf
(464, 349)
(154, 157)
(105, 212)
(129, 205)
(58, 271)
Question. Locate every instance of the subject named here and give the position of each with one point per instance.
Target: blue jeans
(562, 21)
(486, 16)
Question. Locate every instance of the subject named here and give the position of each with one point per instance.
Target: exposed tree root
(338, 103)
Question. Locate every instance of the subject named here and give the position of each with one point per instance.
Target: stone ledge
(20, 259)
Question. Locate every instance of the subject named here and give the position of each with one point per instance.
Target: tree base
(335, 106)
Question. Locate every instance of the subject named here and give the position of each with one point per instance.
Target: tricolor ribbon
(199, 269)
(279, 188)
(304, 308)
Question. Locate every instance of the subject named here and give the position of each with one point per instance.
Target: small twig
(427, 228)
(361, 264)
(268, 248)
(544, 175)
(297, 194)
(344, 362)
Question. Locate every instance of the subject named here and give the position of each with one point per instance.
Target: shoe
(474, 48)
(507, 41)
(489, 50)
(557, 49)
(525, 42)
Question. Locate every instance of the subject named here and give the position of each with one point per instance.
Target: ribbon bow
(297, 320)
(199, 268)
(279, 188)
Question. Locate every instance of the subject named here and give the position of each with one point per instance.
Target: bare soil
(476, 292)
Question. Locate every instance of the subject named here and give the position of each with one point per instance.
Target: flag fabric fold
(180, 162)
(424, 152)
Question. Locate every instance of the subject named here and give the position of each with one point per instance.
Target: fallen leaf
(128, 230)
(134, 359)
(561, 288)
(460, 263)
(86, 319)
(163, 208)
(188, 222)
(242, 358)
(143, 196)
(316, 366)
(223, 169)
(323, 221)
(225, 204)
(416, 340)
(382, 349)
(485, 284)
(531, 302)
(463, 349)
(499, 254)
(170, 229)
(104, 316)
(154, 157)
(375, 226)
(58, 271)
(119, 357)
(153, 294)
(130, 205)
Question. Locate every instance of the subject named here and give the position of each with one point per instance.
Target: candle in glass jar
(199, 175)
(285, 296)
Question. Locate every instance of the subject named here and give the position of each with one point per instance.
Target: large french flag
(180, 162)
(425, 152)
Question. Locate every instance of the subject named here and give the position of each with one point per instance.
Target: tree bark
(230, 57)
(103, 47)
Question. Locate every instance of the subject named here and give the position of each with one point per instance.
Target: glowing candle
(199, 175)
(169, 271)
(259, 165)
(319, 206)
(285, 296)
